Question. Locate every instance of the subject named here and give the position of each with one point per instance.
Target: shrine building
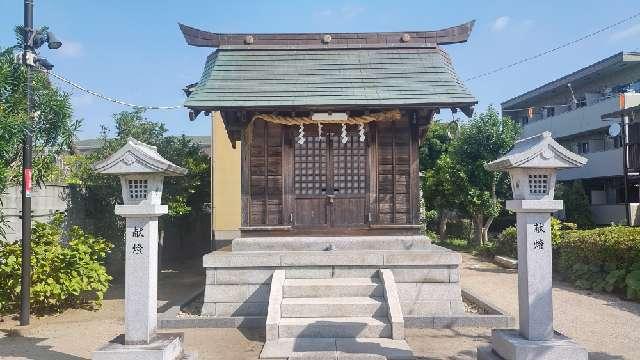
(327, 126)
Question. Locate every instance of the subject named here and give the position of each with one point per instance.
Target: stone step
(342, 349)
(334, 287)
(333, 307)
(334, 327)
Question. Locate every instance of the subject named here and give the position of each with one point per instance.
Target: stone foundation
(238, 282)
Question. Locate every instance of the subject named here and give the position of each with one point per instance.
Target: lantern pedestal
(161, 347)
(508, 344)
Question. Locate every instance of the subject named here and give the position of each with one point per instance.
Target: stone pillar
(535, 302)
(141, 279)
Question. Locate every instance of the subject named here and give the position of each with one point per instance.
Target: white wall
(603, 163)
(606, 214)
(580, 120)
(45, 202)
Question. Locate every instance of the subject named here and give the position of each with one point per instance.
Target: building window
(583, 147)
(551, 111)
(617, 142)
(538, 184)
(138, 189)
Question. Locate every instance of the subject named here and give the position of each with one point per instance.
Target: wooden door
(330, 181)
(349, 180)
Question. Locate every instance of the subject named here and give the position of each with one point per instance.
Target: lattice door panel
(310, 166)
(349, 161)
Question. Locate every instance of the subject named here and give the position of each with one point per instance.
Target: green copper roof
(328, 78)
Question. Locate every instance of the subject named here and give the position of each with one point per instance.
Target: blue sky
(133, 50)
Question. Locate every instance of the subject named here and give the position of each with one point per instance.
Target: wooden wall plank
(265, 169)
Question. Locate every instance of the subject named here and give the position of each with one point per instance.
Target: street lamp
(32, 41)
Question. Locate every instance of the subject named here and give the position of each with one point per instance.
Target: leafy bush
(507, 242)
(67, 269)
(603, 259)
(486, 250)
(455, 244)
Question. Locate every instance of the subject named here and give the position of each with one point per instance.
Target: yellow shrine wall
(225, 185)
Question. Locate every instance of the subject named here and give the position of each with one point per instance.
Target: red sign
(27, 182)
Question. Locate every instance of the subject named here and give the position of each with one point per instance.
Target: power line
(107, 98)
(547, 52)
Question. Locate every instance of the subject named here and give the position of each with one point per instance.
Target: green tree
(440, 191)
(436, 143)
(52, 125)
(576, 203)
(483, 139)
(439, 201)
(457, 180)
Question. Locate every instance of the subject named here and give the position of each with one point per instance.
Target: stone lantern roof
(540, 151)
(136, 157)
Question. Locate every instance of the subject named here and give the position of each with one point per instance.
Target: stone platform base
(340, 349)
(510, 345)
(339, 243)
(166, 346)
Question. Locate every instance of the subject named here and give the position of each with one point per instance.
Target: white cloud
(633, 31)
(500, 23)
(70, 49)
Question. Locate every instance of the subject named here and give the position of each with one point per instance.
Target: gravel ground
(606, 325)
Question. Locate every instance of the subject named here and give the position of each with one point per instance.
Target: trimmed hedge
(602, 259)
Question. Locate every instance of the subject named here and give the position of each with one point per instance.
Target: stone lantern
(141, 170)
(532, 165)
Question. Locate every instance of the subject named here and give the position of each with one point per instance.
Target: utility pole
(32, 41)
(25, 283)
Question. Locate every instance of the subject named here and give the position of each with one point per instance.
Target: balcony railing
(581, 119)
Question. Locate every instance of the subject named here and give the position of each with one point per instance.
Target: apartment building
(571, 108)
